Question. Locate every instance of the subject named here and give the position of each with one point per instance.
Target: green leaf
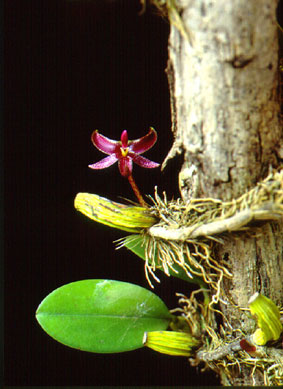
(102, 316)
(135, 243)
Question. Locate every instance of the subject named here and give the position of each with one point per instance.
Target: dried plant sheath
(171, 342)
(268, 318)
(116, 215)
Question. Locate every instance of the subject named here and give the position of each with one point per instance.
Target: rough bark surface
(225, 114)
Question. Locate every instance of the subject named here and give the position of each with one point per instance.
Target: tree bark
(223, 78)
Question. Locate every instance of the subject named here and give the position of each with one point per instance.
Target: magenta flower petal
(143, 144)
(124, 139)
(103, 144)
(105, 162)
(144, 162)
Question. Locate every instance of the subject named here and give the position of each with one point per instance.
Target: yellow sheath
(116, 215)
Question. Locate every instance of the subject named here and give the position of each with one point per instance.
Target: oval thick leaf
(102, 316)
(135, 244)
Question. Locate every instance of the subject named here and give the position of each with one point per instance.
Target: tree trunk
(223, 78)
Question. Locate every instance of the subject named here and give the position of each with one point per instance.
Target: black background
(73, 66)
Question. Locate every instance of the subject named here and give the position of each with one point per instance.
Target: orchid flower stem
(137, 191)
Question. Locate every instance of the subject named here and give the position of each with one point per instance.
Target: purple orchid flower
(124, 151)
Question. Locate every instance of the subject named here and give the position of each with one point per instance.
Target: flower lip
(125, 166)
